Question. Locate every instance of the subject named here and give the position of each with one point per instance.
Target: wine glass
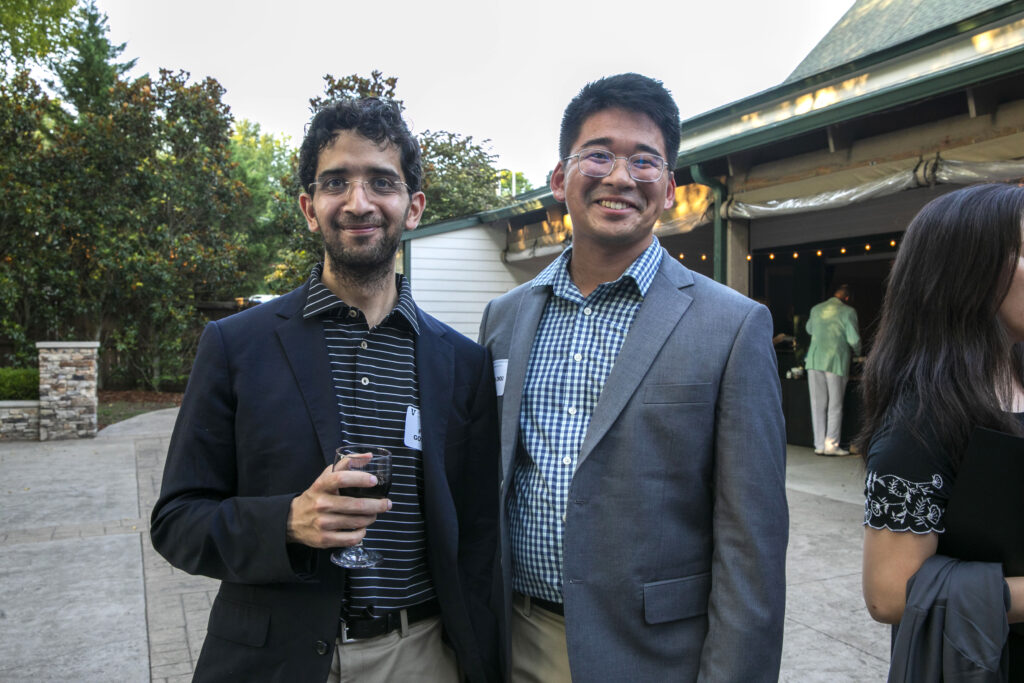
(379, 465)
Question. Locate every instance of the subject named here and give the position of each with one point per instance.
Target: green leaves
(119, 220)
(356, 86)
(32, 29)
(459, 177)
(126, 202)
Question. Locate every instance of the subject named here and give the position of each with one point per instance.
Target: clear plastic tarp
(968, 172)
(927, 172)
(833, 199)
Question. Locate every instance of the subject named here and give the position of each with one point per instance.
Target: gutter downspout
(407, 259)
(720, 192)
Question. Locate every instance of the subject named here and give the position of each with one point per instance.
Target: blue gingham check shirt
(577, 342)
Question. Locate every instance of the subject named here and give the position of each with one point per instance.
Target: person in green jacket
(833, 329)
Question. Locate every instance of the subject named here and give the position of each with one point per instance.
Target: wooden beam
(980, 103)
(840, 138)
(739, 163)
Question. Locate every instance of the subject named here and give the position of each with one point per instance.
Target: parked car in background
(261, 298)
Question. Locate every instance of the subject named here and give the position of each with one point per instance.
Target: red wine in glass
(379, 465)
(379, 491)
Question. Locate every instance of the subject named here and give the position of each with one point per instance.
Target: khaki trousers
(539, 654)
(420, 655)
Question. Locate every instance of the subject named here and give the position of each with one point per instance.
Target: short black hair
(374, 118)
(631, 92)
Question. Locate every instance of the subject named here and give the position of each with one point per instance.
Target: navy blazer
(257, 426)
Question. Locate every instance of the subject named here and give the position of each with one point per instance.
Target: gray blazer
(954, 624)
(677, 523)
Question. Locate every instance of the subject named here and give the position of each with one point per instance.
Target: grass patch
(115, 406)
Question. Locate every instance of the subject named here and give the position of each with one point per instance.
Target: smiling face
(614, 212)
(361, 231)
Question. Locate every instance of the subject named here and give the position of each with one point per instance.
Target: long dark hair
(941, 360)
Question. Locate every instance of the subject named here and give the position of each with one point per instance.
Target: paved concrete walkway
(84, 597)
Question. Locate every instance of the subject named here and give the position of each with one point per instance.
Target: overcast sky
(500, 71)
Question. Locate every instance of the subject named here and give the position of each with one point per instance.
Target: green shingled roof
(871, 26)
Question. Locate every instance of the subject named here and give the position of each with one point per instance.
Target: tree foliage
(32, 29)
(458, 176)
(267, 167)
(118, 217)
(509, 190)
(356, 86)
(87, 72)
(126, 202)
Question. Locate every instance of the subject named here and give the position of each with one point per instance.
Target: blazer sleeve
(853, 333)
(200, 524)
(751, 517)
(478, 523)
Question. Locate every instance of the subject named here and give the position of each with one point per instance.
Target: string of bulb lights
(842, 251)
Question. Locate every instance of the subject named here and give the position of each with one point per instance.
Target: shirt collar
(322, 301)
(641, 271)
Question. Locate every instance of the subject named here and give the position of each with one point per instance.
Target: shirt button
(364, 345)
(563, 519)
(567, 460)
(572, 410)
(587, 310)
(364, 381)
(577, 357)
(352, 313)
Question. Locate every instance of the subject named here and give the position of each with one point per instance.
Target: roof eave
(919, 88)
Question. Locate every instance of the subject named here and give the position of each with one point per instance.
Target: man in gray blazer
(643, 449)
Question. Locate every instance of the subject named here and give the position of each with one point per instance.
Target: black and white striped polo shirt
(375, 383)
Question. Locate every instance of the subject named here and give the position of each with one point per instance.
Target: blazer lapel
(527, 318)
(435, 367)
(662, 308)
(303, 343)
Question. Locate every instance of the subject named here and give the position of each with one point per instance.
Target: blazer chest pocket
(675, 599)
(678, 393)
(239, 623)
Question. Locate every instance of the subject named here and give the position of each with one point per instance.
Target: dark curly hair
(374, 118)
(631, 92)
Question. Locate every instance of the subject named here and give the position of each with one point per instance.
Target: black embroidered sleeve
(910, 476)
(897, 504)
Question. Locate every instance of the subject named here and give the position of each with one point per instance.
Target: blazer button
(321, 647)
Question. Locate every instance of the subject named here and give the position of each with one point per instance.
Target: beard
(365, 265)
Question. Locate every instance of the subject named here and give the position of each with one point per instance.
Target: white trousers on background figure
(827, 391)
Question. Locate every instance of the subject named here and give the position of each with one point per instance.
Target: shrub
(19, 384)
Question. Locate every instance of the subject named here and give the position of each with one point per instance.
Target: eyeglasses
(598, 163)
(378, 186)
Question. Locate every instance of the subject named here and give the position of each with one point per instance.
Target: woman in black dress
(945, 359)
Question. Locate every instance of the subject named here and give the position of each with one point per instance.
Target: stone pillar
(67, 389)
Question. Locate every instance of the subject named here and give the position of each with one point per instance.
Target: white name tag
(500, 368)
(412, 429)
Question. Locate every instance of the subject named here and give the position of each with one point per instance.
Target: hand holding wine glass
(375, 461)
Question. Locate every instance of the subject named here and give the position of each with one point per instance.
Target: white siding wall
(455, 274)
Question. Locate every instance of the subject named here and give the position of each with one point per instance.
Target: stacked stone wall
(67, 389)
(19, 420)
